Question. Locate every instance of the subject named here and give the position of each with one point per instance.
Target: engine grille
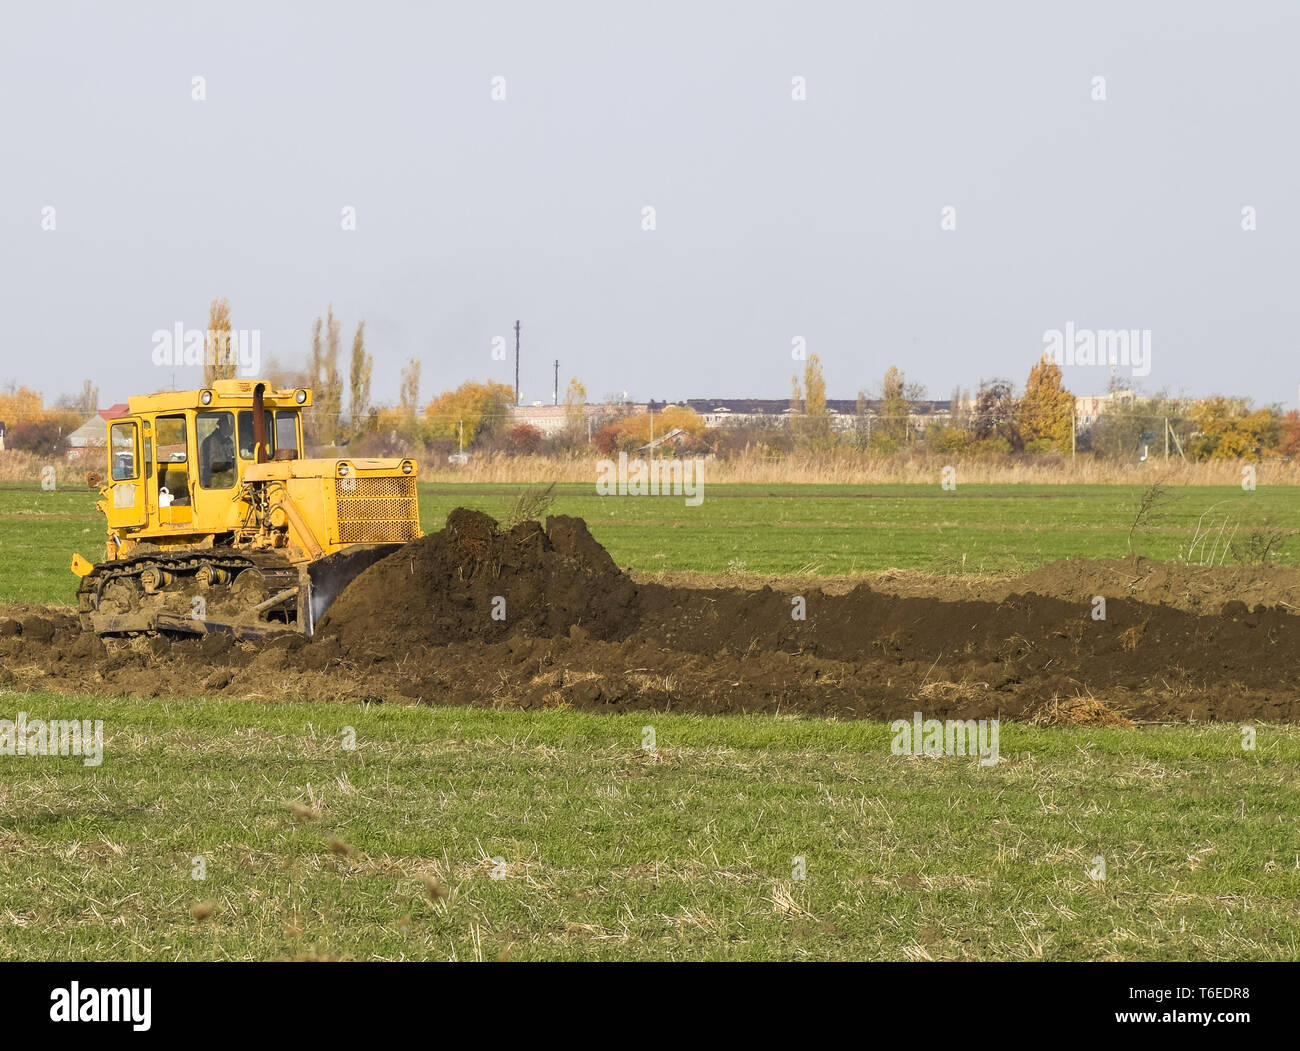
(377, 510)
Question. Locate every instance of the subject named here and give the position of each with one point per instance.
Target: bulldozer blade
(174, 624)
(327, 577)
(190, 626)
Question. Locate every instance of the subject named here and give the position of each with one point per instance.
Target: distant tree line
(891, 419)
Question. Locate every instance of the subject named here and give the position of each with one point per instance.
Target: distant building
(1088, 410)
(553, 419)
(550, 420)
(741, 412)
(91, 434)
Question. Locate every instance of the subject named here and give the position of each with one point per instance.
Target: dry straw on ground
(1078, 711)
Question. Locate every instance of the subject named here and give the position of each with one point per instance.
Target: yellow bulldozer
(217, 522)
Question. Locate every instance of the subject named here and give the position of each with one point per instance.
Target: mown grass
(39, 531)
(816, 529)
(611, 851)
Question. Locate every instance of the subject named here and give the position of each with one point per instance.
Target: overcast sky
(775, 218)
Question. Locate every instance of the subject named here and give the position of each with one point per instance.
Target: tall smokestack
(516, 362)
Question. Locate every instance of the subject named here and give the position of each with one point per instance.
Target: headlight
(300, 396)
(205, 397)
(407, 467)
(344, 470)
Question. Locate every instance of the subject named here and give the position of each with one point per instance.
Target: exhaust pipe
(259, 424)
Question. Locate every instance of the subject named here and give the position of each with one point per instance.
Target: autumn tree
(311, 417)
(362, 366)
(40, 437)
(638, 428)
(1127, 426)
(330, 400)
(523, 440)
(1227, 429)
(816, 423)
(408, 393)
(958, 407)
(21, 405)
(220, 361)
(279, 376)
(483, 409)
(862, 420)
(1046, 408)
(993, 419)
(575, 407)
(1288, 436)
(88, 399)
(316, 360)
(895, 411)
(32, 427)
(82, 404)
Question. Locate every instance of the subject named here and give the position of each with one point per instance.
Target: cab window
(286, 431)
(123, 451)
(247, 447)
(215, 432)
(173, 454)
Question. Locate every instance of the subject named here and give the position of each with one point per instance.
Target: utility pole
(557, 381)
(516, 363)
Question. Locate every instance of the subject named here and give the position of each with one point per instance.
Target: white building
(91, 434)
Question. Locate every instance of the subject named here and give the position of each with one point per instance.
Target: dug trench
(532, 617)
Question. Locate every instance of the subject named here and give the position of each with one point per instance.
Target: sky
(1169, 206)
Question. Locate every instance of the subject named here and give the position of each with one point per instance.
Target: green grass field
(608, 851)
(825, 530)
(556, 835)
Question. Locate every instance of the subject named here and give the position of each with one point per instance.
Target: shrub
(41, 438)
(606, 439)
(522, 440)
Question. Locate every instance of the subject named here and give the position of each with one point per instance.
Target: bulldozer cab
(177, 460)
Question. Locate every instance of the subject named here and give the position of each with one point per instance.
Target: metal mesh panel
(377, 510)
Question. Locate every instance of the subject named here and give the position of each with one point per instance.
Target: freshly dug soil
(532, 617)
(474, 582)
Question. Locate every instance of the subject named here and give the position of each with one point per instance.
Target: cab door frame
(175, 516)
(126, 502)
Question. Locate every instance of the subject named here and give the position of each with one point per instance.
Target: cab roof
(226, 394)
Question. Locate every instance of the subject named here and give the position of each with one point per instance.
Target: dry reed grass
(841, 468)
(865, 469)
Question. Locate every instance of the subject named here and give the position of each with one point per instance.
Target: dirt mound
(474, 581)
(534, 617)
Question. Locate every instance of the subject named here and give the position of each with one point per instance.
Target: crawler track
(190, 592)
